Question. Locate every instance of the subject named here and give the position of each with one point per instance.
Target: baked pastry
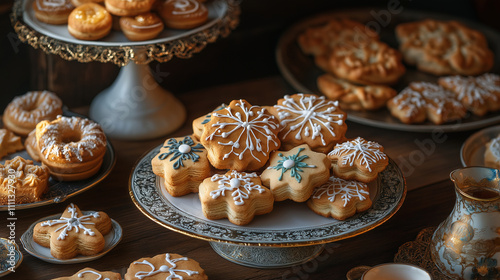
(237, 196)
(358, 160)
(52, 12)
(369, 62)
(144, 26)
(310, 119)
(31, 146)
(182, 163)
(479, 95)
(183, 14)
(240, 137)
(421, 100)
(73, 233)
(128, 7)
(444, 47)
(354, 97)
(77, 3)
(24, 112)
(294, 174)
(340, 199)
(492, 153)
(165, 266)
(199, 122)
(92, 274)
(22, 182)
(89, 21)
(72, 148)
(9, 142)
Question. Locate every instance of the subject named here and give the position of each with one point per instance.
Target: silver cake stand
(290, 235)
(135, 106)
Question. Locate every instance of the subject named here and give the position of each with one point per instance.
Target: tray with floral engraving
(301, 72)
(289, 230)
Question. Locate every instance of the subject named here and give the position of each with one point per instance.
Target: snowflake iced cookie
(340, 199)
(73, 233)
(92, 274)
(182, 163)
(492, 153)
(479, 95)
(295, 173)
(421, 100)
(240, 137)
(165, 266)
(358, 159)
(199, 122)
(310, 119)
(237, 196)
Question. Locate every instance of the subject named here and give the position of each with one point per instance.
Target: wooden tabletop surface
(425, 158)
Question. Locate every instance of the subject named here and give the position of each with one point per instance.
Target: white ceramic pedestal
(136, 107)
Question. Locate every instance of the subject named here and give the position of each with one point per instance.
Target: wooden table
(425, 158)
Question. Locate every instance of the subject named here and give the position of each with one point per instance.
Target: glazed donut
(89, 21)
(183, 14)
(53, 11)
(78, 3)
(71, 147)
(128, 7)
(141, 27)
(25, 111)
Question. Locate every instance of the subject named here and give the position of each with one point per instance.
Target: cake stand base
(136, 107)
(267, 257)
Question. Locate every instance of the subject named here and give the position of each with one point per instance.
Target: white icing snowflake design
(99, 276)
(367, 152)
(171, 269)
(73, 222)
(313, 113)
(346, 189)
(239, 184)
(249, 125)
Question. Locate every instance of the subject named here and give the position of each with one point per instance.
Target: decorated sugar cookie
(310, 119)
(294, 174)
(165, 266)
(182, 163)
(199, 122)
(92, 274)
(238, 196)
(340, 199)
(73, 233)
(240, 137)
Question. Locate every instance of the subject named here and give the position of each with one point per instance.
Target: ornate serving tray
(290, 234)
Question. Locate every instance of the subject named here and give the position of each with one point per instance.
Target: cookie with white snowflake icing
(165, 266)
(358, 159)
(340, 199)
(310, 119)
(183, 164)
(73, 233)
(295, 173)
(479, 95)
(92, 274)
(237, 196)
(240, 136)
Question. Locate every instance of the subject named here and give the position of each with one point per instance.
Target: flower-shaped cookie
(310, 119)
(238, 196)
(182, 163)
(73, 233)
(240, 137)
(294, 174)
(340, 198)
(92, 274)
(165, 266)
(358, 159)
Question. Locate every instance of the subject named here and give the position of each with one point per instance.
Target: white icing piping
(72, 222)
(346, 189)
(99, 276)
(239, 184)
(367, 152)
(183, 5)
(165, 269)
(147, 26)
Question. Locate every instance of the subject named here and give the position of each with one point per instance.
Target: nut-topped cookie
(310, 119)
(240, 136)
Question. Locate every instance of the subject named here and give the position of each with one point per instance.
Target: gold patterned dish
(301, 72)
(111, 240)
(10, 257)
(289, 235)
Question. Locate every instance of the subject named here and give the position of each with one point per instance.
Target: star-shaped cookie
(92, 274)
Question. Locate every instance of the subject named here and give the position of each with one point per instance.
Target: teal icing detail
(296, 168)
(173, 149)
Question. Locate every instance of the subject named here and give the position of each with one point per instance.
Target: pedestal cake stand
(290, 235)
(135, 106)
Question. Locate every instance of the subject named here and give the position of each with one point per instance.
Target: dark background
(248, 53)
